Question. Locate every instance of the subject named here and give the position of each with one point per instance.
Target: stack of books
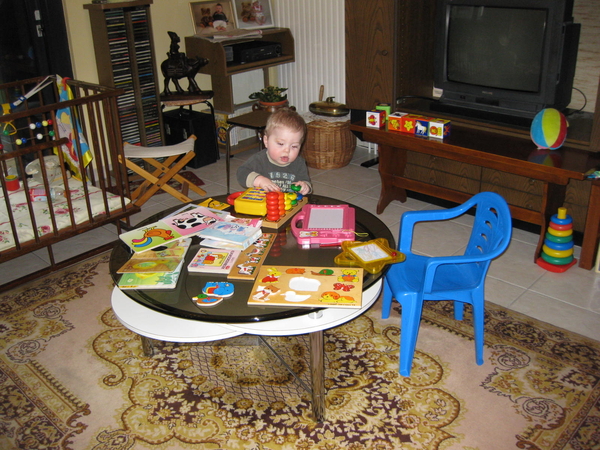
(227, 231)
(158, 249)
(155, 269)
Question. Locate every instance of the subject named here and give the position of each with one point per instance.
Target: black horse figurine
(179, 66)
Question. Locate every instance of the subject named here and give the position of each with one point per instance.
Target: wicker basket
(329, 145)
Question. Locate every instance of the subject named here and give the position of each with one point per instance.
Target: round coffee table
(170, 315)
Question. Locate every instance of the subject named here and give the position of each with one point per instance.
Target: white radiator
(318, 30)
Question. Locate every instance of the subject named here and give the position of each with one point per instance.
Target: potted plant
(270, 98)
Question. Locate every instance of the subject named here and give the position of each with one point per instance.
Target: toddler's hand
(266, 184)
(304, 187)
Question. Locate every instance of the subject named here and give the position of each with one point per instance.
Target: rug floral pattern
(242, 397)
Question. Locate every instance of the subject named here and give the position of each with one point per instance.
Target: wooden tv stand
(486, 150)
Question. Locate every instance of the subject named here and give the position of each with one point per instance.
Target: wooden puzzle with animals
(309, 287)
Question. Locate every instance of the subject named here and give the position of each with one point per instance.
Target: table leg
(592, 228)
(392, 162)
(317, 373)
(147, 346)
(228, 154)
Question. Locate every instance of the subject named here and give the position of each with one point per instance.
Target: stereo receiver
(246, 52)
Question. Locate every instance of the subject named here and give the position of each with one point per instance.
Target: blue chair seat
(460, 278)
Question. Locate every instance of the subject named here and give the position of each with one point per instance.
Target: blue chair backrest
(492, 227)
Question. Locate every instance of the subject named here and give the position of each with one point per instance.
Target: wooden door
(370, 50)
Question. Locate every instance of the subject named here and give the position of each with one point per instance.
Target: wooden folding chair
(177, 156)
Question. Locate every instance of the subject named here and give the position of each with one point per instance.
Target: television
(504, 60)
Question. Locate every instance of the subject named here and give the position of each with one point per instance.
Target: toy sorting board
(250, 260)
(287, 216)
(310, 287)
(253, 201)
(324, 225)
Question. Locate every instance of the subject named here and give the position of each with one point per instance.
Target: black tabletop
(285, 252)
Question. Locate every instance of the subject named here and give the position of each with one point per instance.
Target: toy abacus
(277, 207)
(557, 251)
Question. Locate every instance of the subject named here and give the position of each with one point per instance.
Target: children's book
(222, 245)
(214, 204)
(232, 232)
(161, 280)
(160, 259)
(151, 236)
(138, 278)
(310, 287)
(187, 221)
(249, 222)
(211, 260)
(191, 221)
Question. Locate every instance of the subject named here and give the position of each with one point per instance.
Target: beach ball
(549, 129)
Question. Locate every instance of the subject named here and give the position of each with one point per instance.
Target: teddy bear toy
(206, 19)
(247, 13)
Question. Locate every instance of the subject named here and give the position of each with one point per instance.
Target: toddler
(280, 166)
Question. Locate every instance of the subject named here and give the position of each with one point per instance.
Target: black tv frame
(511, 106)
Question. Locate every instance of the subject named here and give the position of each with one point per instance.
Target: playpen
(59, 162)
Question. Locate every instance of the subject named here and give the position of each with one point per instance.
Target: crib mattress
(62, 214)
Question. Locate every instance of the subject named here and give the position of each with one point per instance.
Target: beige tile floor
(570, 300)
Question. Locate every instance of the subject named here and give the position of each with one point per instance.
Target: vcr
(246, 52)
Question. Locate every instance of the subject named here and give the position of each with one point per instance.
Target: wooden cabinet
(125, 58)
(221, 70)
(388, 43)
(389, 54)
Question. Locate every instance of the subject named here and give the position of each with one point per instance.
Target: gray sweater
(282, 176)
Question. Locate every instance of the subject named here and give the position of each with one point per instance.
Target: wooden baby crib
(59, 162)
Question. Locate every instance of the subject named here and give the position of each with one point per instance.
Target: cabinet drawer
(516, 182)
(442, 179)
(515, 197)
(444, 165)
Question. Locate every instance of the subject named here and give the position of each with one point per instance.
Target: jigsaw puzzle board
(334, 287)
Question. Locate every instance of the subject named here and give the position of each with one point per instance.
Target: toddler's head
(284, 135)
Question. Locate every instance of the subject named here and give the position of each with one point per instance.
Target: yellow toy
(371, 255)
(252, 201)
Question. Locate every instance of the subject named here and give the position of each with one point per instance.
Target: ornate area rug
(72, 377)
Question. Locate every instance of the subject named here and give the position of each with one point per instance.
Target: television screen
(496, 47)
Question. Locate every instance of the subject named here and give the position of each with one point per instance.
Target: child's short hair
(288, 118)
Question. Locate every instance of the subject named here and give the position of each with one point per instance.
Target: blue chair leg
(412, 307)
(458, 310)
(386, 307)
(478, 326)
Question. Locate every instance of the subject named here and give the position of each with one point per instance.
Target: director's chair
(177, 156)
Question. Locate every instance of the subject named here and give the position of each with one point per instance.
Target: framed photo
(210, 17)
(253, 14)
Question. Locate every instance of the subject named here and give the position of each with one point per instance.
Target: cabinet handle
(384, 52)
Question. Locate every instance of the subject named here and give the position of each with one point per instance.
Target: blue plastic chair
(460, 278)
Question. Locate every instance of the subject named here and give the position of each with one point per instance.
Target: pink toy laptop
(323, 225)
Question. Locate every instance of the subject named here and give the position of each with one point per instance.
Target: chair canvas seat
(175, 159)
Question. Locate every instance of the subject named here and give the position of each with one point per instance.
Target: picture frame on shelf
(253, 14)
(212, 17)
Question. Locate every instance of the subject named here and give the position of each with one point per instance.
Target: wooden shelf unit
(221, 72)
(389, 54)
(125, 58)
